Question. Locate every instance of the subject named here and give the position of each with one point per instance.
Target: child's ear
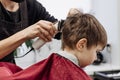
(81, 44)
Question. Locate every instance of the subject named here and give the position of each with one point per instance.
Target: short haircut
(83, 25)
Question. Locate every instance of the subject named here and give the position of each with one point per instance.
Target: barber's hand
(45, 30)
(74, 11)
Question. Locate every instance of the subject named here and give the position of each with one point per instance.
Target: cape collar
(69, 56)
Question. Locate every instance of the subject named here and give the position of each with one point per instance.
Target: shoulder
(33, 3)
(35, 6)
(30, 1)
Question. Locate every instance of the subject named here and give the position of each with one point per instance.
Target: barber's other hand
(74, 11)
(45, 30)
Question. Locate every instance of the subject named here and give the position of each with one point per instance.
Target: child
(82, 37)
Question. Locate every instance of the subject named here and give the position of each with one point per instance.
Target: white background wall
(60, 8)
(118, 8)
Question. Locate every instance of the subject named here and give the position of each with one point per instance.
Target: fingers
(46, 30)
(44, 34)
(48, 26)
(42, 29)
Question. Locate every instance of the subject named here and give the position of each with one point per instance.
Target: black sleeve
(36, 12)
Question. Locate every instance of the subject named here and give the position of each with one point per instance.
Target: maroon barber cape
(55, 67)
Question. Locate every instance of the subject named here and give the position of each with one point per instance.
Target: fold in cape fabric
(55, 67)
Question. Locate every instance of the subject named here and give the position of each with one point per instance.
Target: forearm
(42, 29)
(9, 44)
